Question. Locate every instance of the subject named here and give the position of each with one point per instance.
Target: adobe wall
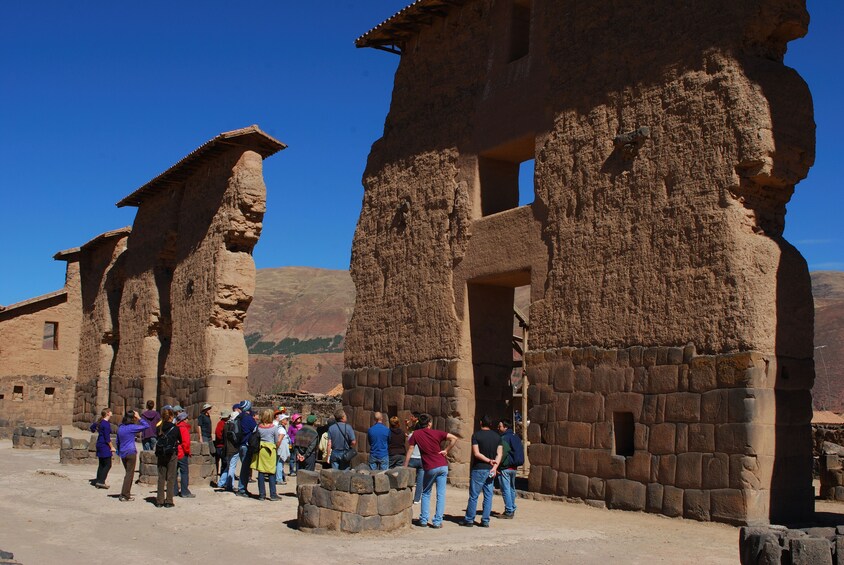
(45, 378)
(672, 243)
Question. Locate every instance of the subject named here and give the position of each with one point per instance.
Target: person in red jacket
(219, 444)
(180, 487)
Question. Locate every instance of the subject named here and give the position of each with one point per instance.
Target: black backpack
(232, 432)
(167, 444)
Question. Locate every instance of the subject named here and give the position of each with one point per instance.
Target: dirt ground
(51, 514)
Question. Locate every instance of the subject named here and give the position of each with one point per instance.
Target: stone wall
(322, 405)
(82, 451)
(27, 437)
(777, 544)
(666, 142)
(831, 472)
(355, 501)
(200, 467)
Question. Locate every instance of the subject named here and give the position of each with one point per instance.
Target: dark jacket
(397, 442)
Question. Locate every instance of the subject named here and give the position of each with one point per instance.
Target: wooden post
(525, 383)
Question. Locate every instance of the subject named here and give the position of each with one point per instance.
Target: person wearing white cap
(283, 447)
(203, 424)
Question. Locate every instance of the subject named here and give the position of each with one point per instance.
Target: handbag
(351, 452)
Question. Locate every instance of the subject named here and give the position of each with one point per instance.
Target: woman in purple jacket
(132, 424)
(104, 447)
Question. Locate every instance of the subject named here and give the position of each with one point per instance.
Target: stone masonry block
(662, 439)
(702, 374)
(562, 376)
(653, 498)
(608, 379)
(549, 481)
(672, 501)
(810, 551)
(352, 523)
(689, 471)
(715, 470)
(394, 502)
(344, 501)
(625, 495)
(682, 407)
(579, 434)
(381, 483)
(701, 438)
(663, 379)
(328, 478)
(666, 470)
(321, 497)
(713, 407)
(307, 478)
(371, 524)
(696, 504)
(309, 516)
(361, 483)
(596, 489)
(728, 505)
(682, 442)
(578, 486)
(586, 407)
(562, 488)
(540, 454)
(400, 520)
(638, 467)
(367, 505)
(626, 402)
(586, 462)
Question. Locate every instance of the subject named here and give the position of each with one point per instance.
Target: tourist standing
(247, 427)
(283, 447)
(265, 461)
(219, 445)
(153, 418)
(397, 444)
(435, 464)
(105, 449)
(416, 462)
(486, 456)
(292, 430)
(231, 450)
(341, 439)
(166, 452)
(183, 460)
(512, 456)
(379, 437)
(203, 424)
(132, 424)
(307, 441)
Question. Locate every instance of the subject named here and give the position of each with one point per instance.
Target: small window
(17, 393)
(623, 429)
(2, 396)
(506, 176)
(51, 335)
(49, 393)
(520, 29)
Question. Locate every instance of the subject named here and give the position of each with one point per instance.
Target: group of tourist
(277, 441)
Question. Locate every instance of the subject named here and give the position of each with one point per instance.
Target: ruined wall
(37, 384)
(673, 243)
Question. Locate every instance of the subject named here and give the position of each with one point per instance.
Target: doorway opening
(498, 329)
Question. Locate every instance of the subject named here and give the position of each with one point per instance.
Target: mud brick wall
(709, 433)
(37, 400)
(28, 437)
(777, 544)
(200, 468)
(355, 501)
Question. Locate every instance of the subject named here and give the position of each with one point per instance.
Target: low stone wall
(80, 451)
(322, 405)
(776, 545)
(832, 472)
(355, 501)
(200, 468)
(27, 437)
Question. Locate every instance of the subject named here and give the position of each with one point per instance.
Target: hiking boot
(507, 515)
(466, 523)
(169, 505)
(484, 524)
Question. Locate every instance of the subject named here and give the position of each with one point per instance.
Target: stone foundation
(832, 472)
(200, 468)
(37, 438)
(355, 501)
(777, 544)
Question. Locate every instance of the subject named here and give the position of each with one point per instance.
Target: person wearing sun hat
(203, 424)
(247, 428)
(282, 420)
(219, 444)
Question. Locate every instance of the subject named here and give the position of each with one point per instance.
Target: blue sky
(97, 98)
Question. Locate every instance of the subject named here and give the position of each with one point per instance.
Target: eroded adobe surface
(667, 241)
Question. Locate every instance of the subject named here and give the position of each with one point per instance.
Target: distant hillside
(828, 289)
(296, 326)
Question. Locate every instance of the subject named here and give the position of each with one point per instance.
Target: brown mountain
(297, 322)
(295, 328)
(828, 289)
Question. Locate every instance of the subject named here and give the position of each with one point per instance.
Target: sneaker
(169, 505)
(467, 523)
(435, 526)
(189, 495)
(420, 524)
(283, 483)
(101, 485)
(484, 524)
(126, 498)
(262, 498)
(274, 498)
(243, 493)
(507, 515)
(417, 502)
(292, 475)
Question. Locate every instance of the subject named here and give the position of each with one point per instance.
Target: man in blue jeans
(247, 427)
(512, 454)
(379, 437)
(486, 456)
(434, 463)
(341, 438)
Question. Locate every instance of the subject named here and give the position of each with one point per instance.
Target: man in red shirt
(184, 457)
(435, 465)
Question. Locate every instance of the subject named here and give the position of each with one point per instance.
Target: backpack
(232, 432)
(167, 444)
(516, 453)
(254, 442)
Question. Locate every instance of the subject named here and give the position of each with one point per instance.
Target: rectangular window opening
(506, 176)
(2, 396)
(17, 393)
(622, 430)
(520, 29)
(51, 335)
(49, 393)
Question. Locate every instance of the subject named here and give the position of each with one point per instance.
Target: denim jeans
(438, 476)
(480, 482)
(245, 469)
(420, 476)
(149, 443)
(379, 463)
(507, 480)
(335, 460)
(181, 488)
(262, 493)
(227, 472)
(292, 463)
(279, 472)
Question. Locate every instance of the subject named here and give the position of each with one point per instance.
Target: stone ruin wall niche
(661, 286)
